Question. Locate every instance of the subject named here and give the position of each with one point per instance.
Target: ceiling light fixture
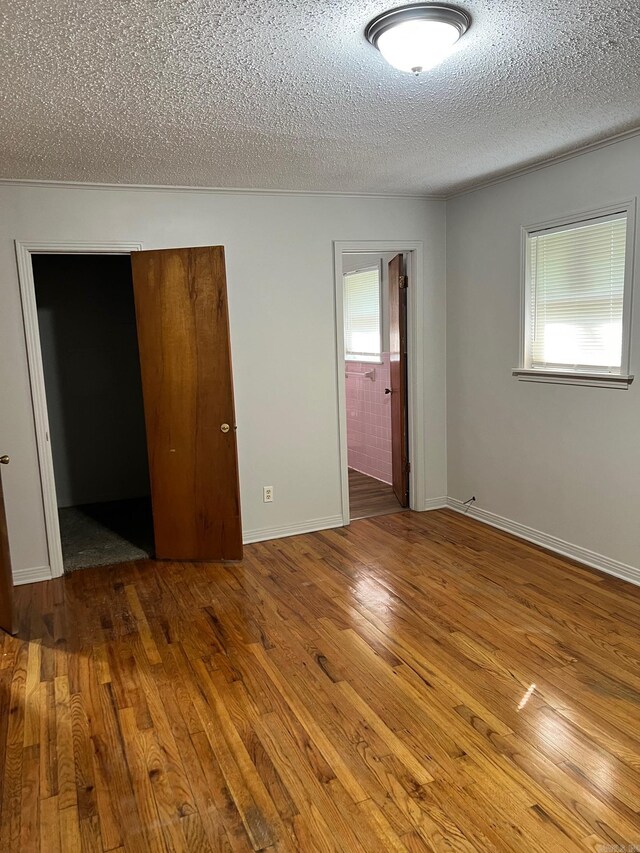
(418, 37)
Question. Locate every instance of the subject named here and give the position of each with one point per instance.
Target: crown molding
(537, 165)
(471, 187)
(21, 182)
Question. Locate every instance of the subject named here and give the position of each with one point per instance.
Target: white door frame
(24, 251)
(415, 384)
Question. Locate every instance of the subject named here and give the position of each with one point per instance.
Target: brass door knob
(225, 428)
(4, 460)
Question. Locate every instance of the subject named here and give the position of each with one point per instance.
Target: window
(577, 299)
(362, 316)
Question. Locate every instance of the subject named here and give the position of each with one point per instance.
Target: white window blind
(576, 281)
(362, 315)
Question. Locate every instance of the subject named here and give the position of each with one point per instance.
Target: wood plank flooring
(369, 497)
(412, 682)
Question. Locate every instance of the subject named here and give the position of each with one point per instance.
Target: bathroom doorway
(376, 382)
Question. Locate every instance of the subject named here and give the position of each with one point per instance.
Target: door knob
(387, 390)
(224, 428)
(4, 460)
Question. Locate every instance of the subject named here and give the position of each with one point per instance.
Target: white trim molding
(415, 367)
(541, 163)
(435, 503)
(33, 575)
(177, 188)
(24, 250)
(521, 531)
(456, 191)
(264, 534)
(566, 377)
(552, 543)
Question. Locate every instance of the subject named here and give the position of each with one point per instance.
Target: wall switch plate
(267, 494)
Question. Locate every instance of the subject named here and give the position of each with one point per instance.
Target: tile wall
(369, 418)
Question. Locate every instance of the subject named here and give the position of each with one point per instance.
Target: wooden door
(7, 610)
(398, 378)
(187, 386)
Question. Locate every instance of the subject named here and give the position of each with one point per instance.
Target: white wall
(281, 294)
(564, 460)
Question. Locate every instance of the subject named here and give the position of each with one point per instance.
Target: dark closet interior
(89, 345)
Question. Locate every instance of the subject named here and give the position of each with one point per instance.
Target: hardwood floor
(412, 682)
(369, 497)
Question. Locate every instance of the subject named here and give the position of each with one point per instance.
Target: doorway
(374, 290)
(91, 370)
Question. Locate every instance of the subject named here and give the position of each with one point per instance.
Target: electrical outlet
(267, 494)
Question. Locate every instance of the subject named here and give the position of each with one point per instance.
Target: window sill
(568, 377)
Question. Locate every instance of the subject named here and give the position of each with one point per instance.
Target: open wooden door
(398, 378)
(187, 386)
(7, 610)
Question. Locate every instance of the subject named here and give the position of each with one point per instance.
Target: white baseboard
(537, 537)
(265, 533)
(43, 573)
(551, 543)
(435, 503)
(31, 575)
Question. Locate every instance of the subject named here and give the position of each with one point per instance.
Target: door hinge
(404, 281)
(407, 467)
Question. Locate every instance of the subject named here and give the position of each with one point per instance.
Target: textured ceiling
(287, 94)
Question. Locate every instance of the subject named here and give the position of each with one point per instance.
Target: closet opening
(92, 381)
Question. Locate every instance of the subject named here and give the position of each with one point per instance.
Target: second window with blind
(577, 297)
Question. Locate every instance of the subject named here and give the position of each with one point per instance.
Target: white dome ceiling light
(418, 37)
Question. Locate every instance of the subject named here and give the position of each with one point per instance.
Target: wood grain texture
(187, 383)
(369, 497)
(412, 682)
(398, 380)
(7, 615)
